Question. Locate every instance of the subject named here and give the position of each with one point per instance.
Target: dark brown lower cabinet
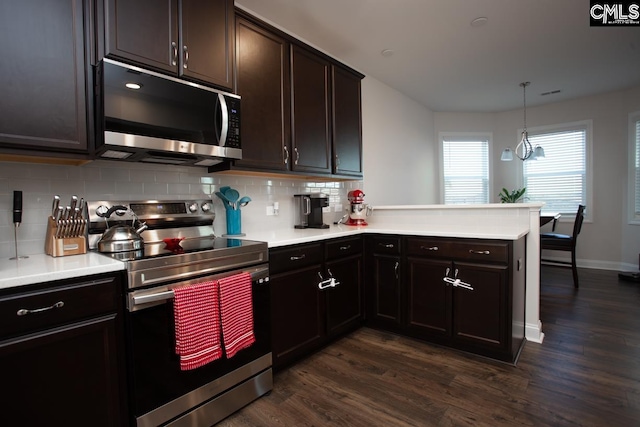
(63, 365)
(383, 282)
(429, 311)
(411, 289)
(345, 301)
(482, 312)
(308, 308)
(297, 314)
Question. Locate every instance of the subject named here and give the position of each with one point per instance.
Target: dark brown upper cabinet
(262, 80)
(301, 110)
(347, 122)
(44, 85)
(311, 138)
(190, 38)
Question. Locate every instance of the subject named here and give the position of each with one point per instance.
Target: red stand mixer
(358, 210)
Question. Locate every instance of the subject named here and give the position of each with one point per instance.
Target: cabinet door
(479, 315)
(65, 376)
(344, 302)
(429, 298)
(144, 31)
(297, 314)
(262, 66)
(384, 291)
(43, 75)
(347, 128)
(207, 41)
(310, 105)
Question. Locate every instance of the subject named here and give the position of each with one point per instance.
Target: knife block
(62, 246)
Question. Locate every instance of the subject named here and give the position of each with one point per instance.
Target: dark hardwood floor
(586, 373)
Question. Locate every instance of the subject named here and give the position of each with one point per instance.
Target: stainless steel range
(179, 248)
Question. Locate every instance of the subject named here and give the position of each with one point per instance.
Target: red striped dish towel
(236, 310)
(197, 322)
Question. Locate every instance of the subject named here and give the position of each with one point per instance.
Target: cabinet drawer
(385, 244)
(294, 257)
(465, 250)
(35, 310)
(343, 247)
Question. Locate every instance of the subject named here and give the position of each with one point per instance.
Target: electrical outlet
(337, 207)
(270, 211)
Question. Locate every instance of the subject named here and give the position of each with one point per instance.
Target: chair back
(577, 225)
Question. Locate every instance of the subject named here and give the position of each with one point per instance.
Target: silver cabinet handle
(297, 258)
(429, 248)
(24, 311)
(286, 155)
(388, 245)
(174, 53)
(186, 56)
(344, 248)
(337, 161)
(295, 149)
(471, 251)
(395, 268)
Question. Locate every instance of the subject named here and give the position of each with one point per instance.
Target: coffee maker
(309, 210)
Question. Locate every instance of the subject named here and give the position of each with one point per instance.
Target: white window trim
(631, 183)
(464, 136)
(588, 124)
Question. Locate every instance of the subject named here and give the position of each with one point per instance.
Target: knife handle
(17, 207)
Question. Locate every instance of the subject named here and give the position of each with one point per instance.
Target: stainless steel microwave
(144, 116)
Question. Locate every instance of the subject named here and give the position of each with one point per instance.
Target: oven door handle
(137, 302)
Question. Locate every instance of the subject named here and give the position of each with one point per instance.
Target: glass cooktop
(177, 246)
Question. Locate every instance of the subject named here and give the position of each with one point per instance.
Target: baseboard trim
(594, 264)
(533, 332)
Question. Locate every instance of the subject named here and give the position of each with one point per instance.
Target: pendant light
(524, 146)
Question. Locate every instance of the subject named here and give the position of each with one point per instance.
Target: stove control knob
(193, 207)
(206, 207)
(101, 211)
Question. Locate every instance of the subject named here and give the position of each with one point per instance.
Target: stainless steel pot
(122, 237)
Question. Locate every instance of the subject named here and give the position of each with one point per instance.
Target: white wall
(607, 240)
(400, 157)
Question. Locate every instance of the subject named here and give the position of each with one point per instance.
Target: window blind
(637, 170)
(559, 179)
(466, 171)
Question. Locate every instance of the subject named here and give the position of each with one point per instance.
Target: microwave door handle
(224, 129)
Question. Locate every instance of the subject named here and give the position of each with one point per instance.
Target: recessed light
(134, 86)
(479, 22)
(386, 52)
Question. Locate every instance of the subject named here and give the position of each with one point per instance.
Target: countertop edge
(41, 268)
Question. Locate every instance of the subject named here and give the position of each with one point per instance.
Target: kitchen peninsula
(488, 221)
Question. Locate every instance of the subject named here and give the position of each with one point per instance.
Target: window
(465, 169)
(560, 179)
(634, 168)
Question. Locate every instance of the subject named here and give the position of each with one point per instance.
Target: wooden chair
(563, 242)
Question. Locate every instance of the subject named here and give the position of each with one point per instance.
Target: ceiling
(445, 63)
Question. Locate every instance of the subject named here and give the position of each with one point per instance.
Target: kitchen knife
(66, 217)
(58, 219)
(76, 222)
(54, 207)
(73, 203)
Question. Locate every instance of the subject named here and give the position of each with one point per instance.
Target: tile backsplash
(106, 180)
